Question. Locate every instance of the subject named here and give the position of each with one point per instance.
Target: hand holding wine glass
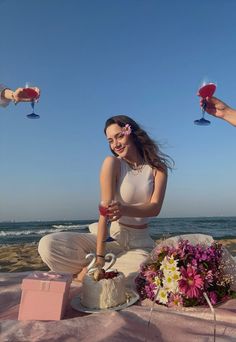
(26, 94)
(215, 107)
(104, 211)
(206, 91)
(115, 210)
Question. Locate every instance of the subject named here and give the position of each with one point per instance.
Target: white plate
(76, 304)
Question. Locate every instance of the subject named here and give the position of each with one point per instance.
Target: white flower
(157, 281)
(163, 296)
(169, 264)
(176, 276)
(170, 280)
(164, 263)
(170, 284)
(172, 261)
(173, 268)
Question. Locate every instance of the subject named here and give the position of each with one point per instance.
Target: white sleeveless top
(134, 188)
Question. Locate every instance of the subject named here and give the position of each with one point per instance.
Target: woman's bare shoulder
(111, 162)
(160, 172)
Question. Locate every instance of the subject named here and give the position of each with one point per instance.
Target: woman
(19, 95)
(133, 184)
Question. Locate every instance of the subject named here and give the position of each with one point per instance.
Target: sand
(20, 258)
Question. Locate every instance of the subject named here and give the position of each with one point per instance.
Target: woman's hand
(20, 95)
(100, 262)
(214, 107)
(116, 210)
(99, 272)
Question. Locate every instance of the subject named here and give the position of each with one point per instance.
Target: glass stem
(203, 109)
(32, 105)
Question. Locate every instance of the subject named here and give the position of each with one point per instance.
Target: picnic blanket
(129, 324)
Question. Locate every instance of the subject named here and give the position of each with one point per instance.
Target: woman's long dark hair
(148, 148)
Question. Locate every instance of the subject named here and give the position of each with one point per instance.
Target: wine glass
(31, 93)
(103, 210)
(206, 90)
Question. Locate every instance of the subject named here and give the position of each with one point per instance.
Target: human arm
(108, 177)
(150, 209)
(19, 95)
(3, 101)
(219, 109)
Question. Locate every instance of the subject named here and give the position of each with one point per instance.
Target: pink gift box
(44, 296)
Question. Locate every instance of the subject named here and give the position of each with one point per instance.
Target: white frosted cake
(103, 293)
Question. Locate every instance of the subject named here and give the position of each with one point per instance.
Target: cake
(103, 288)
(104, 293)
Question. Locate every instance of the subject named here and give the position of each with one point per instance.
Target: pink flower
(175, 300)
(190, 283)
(127, 129)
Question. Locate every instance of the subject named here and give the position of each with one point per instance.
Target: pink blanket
(129, 324)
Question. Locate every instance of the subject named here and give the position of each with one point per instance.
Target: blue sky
(94, 59)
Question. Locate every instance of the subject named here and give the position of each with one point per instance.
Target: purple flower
(213, 297)
(149, 275)
(150, 291)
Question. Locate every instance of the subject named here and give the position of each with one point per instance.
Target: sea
(12, 233)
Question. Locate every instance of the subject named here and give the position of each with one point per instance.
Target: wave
(70, 226)
(54, 229)
(11, 233)
(26, 232)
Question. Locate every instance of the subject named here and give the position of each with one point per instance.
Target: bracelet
(100, 256)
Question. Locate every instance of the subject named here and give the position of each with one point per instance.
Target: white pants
(65, 252)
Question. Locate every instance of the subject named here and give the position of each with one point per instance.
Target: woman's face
(119, 142)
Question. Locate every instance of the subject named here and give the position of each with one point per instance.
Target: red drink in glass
(30, 93)
(207, 90)
(103, 210)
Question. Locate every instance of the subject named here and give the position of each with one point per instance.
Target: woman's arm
(150, 209)
(108, 178)
(19, 95)
(3, 100)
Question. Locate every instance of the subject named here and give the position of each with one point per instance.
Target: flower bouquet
(185, 275)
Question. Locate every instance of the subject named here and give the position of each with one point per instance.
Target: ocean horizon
(220, 227)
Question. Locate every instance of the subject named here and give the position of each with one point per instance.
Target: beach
(25, 257)
(20, 258)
